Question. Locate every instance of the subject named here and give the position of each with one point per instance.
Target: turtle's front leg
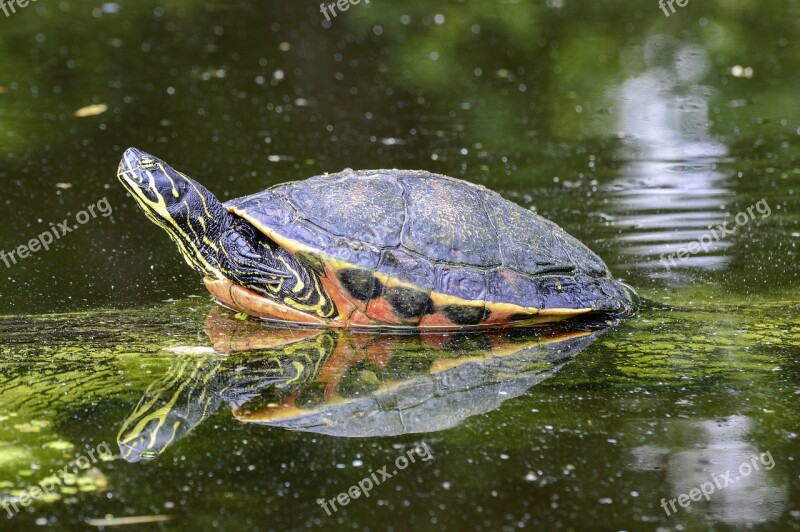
(245, 265)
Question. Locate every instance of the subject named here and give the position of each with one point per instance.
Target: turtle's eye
(147, 163)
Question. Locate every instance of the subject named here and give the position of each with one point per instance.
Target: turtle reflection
(343, 384)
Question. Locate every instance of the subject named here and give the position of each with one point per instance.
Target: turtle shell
(398, 247)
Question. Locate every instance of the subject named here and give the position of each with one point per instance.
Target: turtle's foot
(248, 267)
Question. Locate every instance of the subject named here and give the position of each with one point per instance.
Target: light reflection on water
(670, 192)
(714, 450)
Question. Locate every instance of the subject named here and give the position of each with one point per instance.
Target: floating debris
(33, 426)
(98, 479)
(91, 110)
(12, 454)
(64, 186)
(191, 350)
(132, 520)
(60, 445)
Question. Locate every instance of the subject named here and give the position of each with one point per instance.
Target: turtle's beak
(130, 165)
(139, 172)
(132, 155)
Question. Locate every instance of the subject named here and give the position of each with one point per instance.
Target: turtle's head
(163, 189)
(189, 213)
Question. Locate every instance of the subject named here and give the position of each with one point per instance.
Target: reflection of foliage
(513, 67)
(510, 60)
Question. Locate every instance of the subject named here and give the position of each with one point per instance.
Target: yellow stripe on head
(179, 205)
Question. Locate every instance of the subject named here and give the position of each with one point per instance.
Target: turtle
(377, 249)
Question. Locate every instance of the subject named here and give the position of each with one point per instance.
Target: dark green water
(639, 133)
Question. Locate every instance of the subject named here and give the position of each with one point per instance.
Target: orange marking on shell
(380, 359)
(359, 319)
(344, 305)
(338, 293)
(379, 310)
(535, 320)
(500, 317)
(436, 320)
